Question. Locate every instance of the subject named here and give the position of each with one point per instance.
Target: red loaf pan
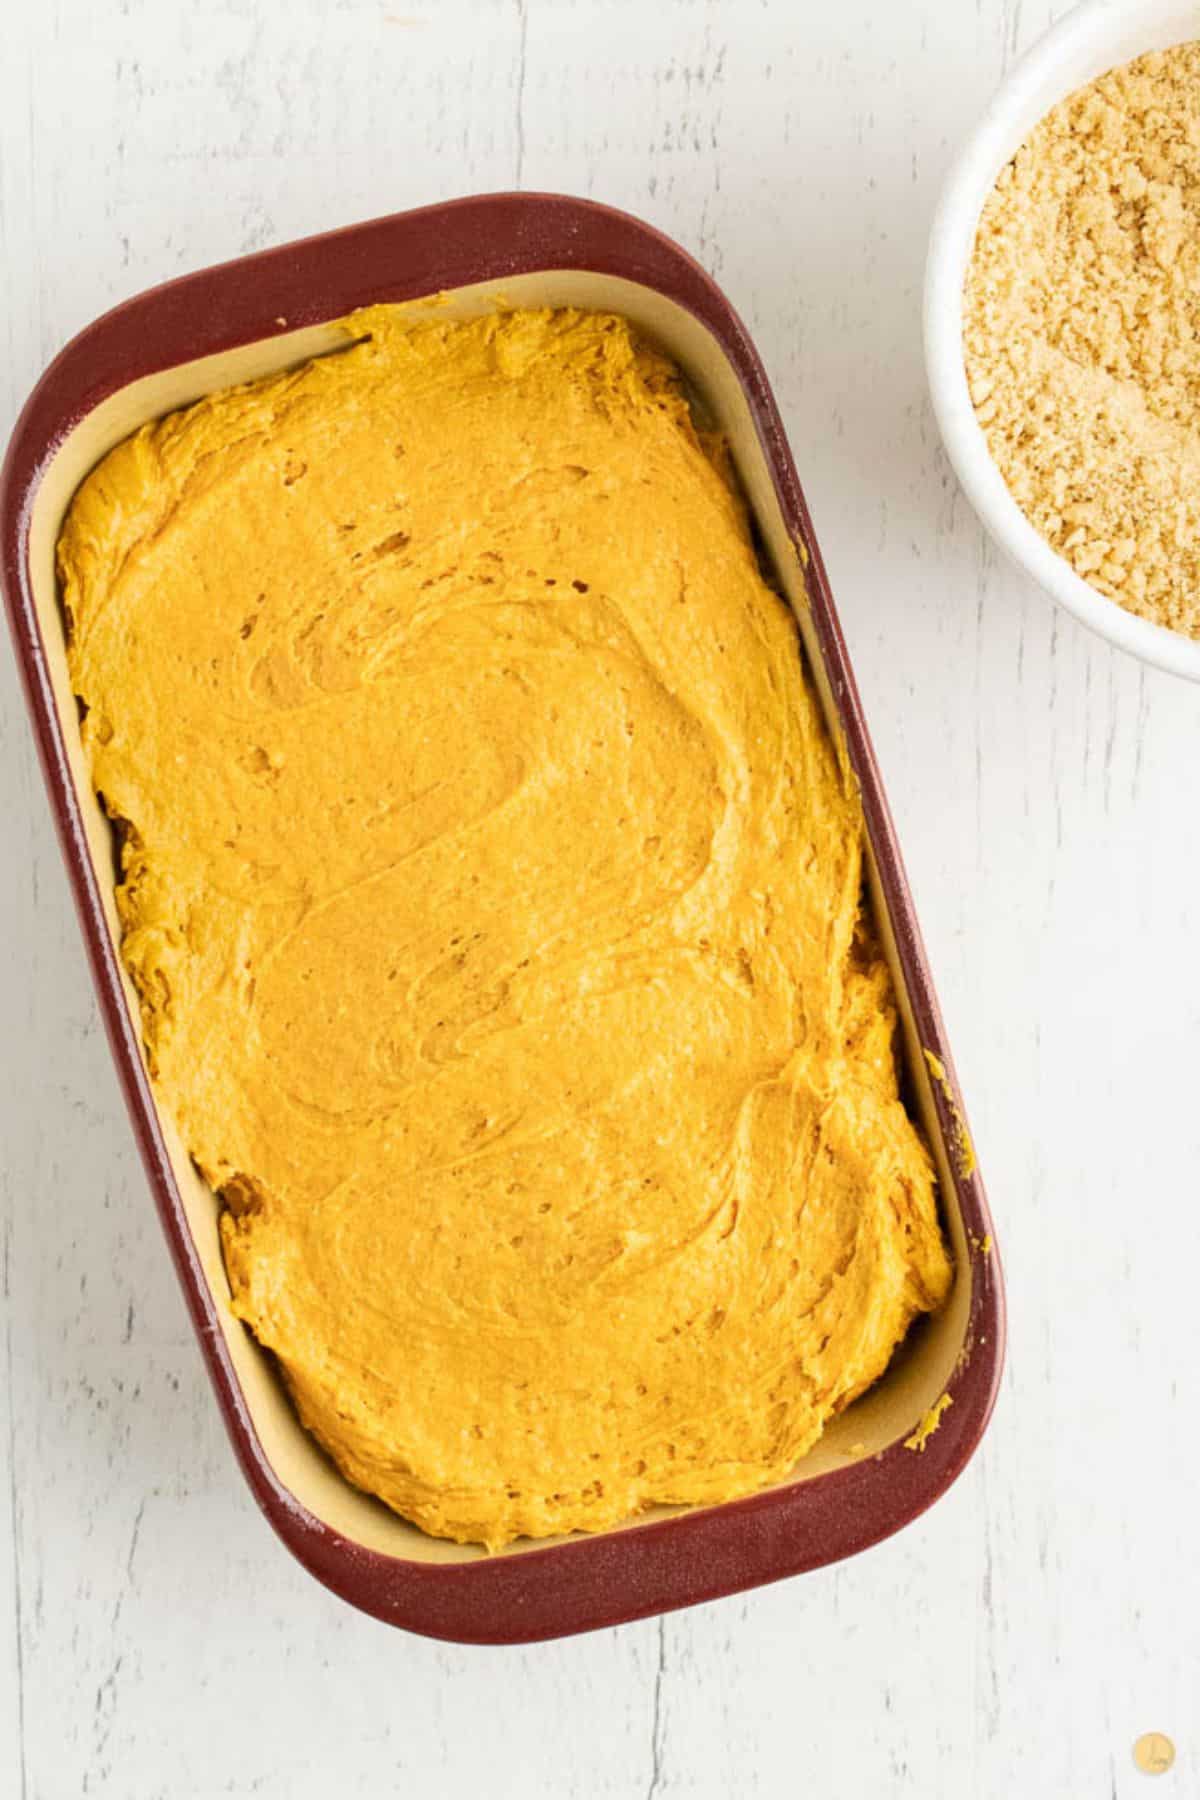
(253, 317)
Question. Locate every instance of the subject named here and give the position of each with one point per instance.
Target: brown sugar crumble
(1082, 333)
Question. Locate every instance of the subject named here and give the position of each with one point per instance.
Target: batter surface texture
(492, 893)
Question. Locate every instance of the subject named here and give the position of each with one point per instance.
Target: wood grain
(154, 1640)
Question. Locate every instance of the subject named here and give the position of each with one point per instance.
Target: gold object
(1154, 1753)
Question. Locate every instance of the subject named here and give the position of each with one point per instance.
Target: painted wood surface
(154, 1639)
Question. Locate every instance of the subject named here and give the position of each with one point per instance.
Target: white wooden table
(154, 1639)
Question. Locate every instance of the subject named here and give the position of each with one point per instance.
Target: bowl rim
(1030, 84)
(695, 1555)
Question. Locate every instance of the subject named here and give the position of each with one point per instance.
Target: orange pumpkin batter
(492, 892)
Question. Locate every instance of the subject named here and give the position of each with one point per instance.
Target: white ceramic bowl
(1093, 37)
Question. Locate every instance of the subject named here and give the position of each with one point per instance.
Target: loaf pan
(878, 1465)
